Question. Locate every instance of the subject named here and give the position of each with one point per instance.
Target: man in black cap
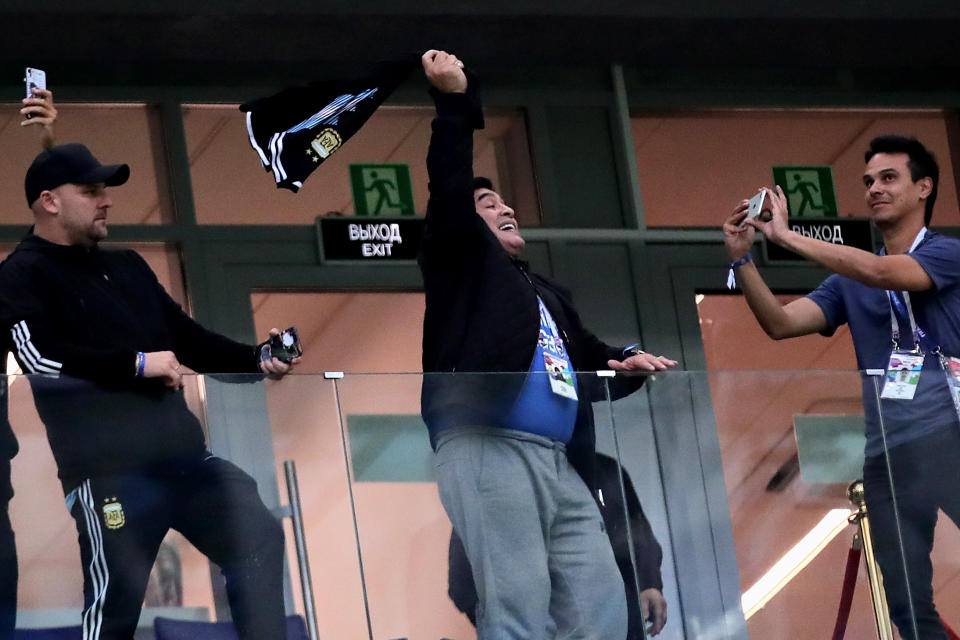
(130, 455)
(39, 112)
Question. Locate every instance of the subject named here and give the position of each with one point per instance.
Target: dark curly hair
(921, 162)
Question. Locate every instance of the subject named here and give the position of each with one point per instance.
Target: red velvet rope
(950, 632)
(846, 596)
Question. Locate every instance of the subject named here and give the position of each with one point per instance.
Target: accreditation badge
(561, 376)
(903, 375)
(951, 369)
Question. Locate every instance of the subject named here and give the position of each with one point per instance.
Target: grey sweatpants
(541, 560)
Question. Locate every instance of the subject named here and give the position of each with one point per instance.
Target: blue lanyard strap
(900, 301)
(904, 307)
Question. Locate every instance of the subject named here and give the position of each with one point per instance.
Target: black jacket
(80, 316)
(481, 305)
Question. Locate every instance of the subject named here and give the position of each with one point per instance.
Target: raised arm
(798, 318)
(898, 272)
(451, 210)
(39, 111)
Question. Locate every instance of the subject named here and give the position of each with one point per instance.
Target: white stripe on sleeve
(27, 353)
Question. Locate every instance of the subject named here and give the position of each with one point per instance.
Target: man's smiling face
(500, 218)
(891, 192)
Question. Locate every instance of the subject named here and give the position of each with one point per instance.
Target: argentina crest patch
(326, 143)
(113, 513)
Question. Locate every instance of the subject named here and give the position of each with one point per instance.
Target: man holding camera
(902, 305)
(107, 343)
(514, 453)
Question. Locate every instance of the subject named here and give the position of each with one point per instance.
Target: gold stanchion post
(864, 539)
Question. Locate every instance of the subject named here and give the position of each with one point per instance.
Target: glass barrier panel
(306, 429)
(420, 578)
(762, 461)
(50, 586)
(640, 536)
(253, 423)
(403, 529)
(911, 475)
(790, 444)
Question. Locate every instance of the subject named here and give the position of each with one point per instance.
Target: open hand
(642, 362)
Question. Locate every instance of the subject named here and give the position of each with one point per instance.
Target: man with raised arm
(903, 308)
(514, 453)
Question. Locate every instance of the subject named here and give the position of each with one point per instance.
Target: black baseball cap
(70, 164)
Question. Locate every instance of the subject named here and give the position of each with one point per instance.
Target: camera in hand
(756, 207)
(285, 346)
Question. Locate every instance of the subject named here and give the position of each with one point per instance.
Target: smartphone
(284, 346)
(34, 79)
(756, 204)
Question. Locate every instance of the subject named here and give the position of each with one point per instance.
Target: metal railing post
(296, 515)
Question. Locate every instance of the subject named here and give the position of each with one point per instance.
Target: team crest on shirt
(327, 142)
(113, 514)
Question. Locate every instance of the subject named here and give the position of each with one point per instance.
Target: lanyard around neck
(894, 301)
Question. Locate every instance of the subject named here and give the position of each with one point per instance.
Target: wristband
(633, 350)
(731, 280)
(744, 260)
(141, 363)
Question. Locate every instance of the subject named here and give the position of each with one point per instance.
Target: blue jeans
(926, 478)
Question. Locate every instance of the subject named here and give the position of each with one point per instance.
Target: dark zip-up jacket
(80, 316)
(481, 305)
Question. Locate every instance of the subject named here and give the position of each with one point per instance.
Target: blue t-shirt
(538, 409)
(937, 312)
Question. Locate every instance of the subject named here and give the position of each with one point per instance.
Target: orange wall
(695, 167)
